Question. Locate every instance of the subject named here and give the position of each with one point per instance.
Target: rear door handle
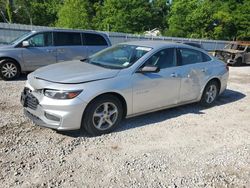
(61, 50)
(50, 51)
(174, 75)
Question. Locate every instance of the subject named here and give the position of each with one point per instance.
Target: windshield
(16, 40)
(119, 56)
(235, 47)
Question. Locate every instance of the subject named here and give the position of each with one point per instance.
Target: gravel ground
(186, 146)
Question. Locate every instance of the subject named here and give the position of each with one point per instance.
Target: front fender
(14, 56)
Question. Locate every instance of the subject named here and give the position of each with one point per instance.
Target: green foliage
(37, 12)
(216, 19)
(242, 20)
(131, 16)
(212, 19)
(75, 14)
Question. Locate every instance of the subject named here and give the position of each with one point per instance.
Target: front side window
(67, 39)
(119, 56)
(163, 59)
(189, 56)
(41, 40)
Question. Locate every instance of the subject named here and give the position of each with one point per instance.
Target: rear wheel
(9, 69)
(102, 115)
(210, 94)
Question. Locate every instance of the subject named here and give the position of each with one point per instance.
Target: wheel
(210, 94)
(238, 62)
(9, 70)
(102, 115)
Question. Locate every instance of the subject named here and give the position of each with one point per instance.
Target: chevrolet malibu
(125, 80)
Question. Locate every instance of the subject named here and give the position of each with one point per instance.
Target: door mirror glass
(149, 69)
(25, 43)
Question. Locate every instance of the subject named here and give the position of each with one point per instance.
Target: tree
(213, 19)
(6, 12)
(75, 14)
(37, 12)
(241, 19)
(130, 16)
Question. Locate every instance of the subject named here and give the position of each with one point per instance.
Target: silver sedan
(125, 80)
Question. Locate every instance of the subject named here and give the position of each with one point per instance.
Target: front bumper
(56, 114)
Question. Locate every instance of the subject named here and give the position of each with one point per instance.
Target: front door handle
(204, 70)
(49, 51)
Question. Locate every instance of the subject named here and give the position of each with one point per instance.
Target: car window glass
(190, 56)
(119, 56)
(67, 39)
(41, 40)
(163, 59)
(124, 55)
(248, 49)
(94, 40)
(205, 58)
(241, 48)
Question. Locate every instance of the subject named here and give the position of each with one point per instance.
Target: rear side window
(67, 39)
(205, 57)
(92, 39)
(190, 56)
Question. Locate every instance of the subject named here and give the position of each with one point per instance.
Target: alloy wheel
(9, 70)
(105, 116)
(211, 93)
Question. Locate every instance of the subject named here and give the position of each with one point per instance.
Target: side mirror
(149, 69)
(25, 43)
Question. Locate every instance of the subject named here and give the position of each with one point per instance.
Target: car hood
(4, 46)
(73, 72)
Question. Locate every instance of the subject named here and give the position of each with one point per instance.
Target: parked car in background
(194, 44)
(40, 48)
(125, 80)
(237, 53)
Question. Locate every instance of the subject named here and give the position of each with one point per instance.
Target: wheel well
(12, 59)
(120, 98)
(216, 80)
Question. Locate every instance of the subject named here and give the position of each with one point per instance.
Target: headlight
(57, 94)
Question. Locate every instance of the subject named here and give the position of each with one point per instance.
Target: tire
(9, 69)
(210, 94)
(106, 109)
(238, 62)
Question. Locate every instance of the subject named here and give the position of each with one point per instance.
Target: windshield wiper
(85, 59)
(105, 66)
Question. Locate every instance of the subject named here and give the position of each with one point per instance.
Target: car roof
(158, 44)
(69, 30)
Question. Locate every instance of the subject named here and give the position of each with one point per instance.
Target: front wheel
(102, 115)
(210, 94)
(9, 70)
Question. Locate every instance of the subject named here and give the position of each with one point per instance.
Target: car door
(69, 46)
(156, 90)
(94, 42)
(40, 51)
(194, 72)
